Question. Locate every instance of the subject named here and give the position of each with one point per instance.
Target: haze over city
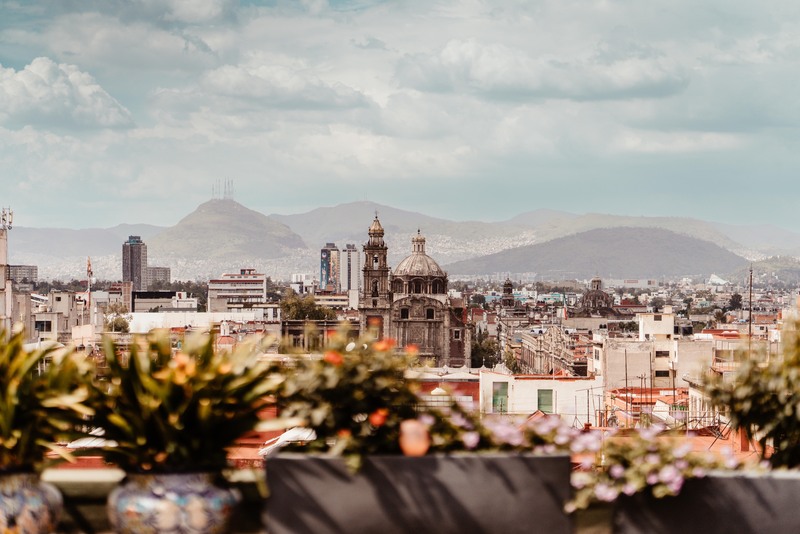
(120, 111)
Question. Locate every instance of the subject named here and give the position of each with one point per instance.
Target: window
(662, 354)
(545, 400)
(456, 334)
(656, 317)
(500, 397)
(404, 313)
(429, 313)
(374, 288)
(662, 374)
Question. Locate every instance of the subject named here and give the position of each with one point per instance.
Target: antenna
(6, 219)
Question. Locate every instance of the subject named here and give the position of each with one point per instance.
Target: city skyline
(114, 112)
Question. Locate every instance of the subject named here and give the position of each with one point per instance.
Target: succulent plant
(169, 411)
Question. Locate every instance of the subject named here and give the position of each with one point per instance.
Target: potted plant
(168, 416)
(42, 395)
(381, 460)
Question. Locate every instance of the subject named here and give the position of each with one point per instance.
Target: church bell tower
(376, 300)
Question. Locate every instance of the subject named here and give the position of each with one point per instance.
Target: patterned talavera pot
(174, 503)
(27, 504)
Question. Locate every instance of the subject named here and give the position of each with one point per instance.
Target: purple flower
(471, 439)
(426, 419)
(616, 471)
(605, 492)
(629, 489)
(652, 479)
(668, 474)
(460, 420)
(675, 486)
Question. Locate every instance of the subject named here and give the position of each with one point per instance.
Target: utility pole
(750, 318)
(6, 297)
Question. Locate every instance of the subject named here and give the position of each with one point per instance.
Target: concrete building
(303, 284)
(134, 262)
(350, 271)
(240, 291)
(576, 399)
(23, 277)
(329, 260)
(162, 301)
(162, 275)
(135, 268)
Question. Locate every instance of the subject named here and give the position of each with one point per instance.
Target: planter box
(721, 502)
(460, 493)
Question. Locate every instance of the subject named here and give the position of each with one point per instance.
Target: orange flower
(333, 358)
(344, 433)
(384, 344)
(378, 417)
(412, 349)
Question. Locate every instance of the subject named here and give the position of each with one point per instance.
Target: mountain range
(222, 234)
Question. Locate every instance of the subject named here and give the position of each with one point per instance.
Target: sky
(129, 111)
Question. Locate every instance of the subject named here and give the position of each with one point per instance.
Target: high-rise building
(244, 290)
(350, 272)
(134, 262)
(329, 268)
(158, 274)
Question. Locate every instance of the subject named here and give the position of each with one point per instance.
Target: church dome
(418, 263)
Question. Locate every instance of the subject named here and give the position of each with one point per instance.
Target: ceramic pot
(27, 504)
(176, 503)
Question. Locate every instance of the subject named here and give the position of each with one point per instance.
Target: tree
(484, 350)
(735, 302)
(511, 362)
(117, 318)
(295, 307)
(478, 299)
(657, 303)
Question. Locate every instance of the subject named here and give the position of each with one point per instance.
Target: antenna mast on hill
(222, 189)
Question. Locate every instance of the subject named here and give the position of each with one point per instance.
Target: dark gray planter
(721, 502)
(460, 493)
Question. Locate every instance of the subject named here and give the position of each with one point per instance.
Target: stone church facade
(411, 304)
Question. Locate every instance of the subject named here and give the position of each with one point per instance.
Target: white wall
(569, 394)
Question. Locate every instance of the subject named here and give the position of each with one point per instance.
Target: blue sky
(118, 111)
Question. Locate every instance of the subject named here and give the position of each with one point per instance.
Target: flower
(333, 357)
(384, 345)
(378, 417)
(471, 439)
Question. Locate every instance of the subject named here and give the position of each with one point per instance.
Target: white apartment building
(240, 291)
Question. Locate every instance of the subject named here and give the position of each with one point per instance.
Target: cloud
(57, 95)
(498, 72)
(279, 86)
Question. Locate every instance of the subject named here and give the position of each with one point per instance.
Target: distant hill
(145, 231)
(552, 225)
(772, 270)
(765, 238)
(224, 229)
(609, 252)
(61, 242)
(447, 240)
(541, 217)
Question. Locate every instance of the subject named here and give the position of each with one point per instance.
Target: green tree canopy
(295, 307)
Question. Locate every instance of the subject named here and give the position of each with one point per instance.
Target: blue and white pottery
(28, 505)
(171, 503)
